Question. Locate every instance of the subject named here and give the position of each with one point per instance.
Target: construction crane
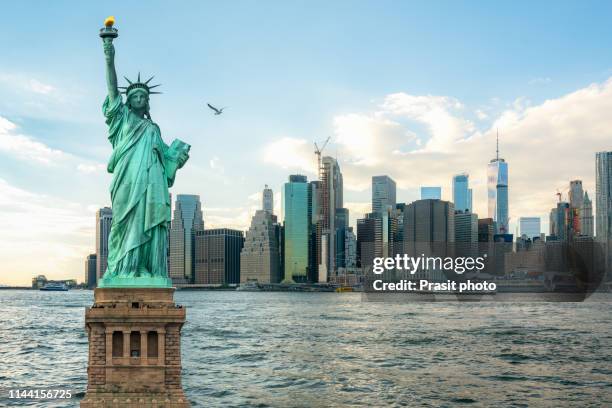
(318, 151)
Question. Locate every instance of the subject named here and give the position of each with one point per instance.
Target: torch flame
(109, 21)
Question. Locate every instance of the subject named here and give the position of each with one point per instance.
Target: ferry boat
(55, 287)
(250, 286)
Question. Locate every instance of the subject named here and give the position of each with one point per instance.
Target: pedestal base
(134, 349)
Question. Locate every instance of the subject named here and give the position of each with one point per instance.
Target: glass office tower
(297, 228)
(497, 193)
(431, 193)
(462, 193)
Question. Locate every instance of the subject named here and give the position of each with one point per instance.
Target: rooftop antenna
(318, 152)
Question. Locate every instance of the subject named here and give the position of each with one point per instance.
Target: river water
(260, 349)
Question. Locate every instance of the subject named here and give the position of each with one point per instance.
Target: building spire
(497, 146)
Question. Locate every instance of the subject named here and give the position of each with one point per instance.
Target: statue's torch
(108, 31)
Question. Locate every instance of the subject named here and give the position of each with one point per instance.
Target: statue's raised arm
(108, 34)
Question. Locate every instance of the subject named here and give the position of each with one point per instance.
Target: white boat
(55, 287)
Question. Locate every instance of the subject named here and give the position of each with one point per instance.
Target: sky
(412, 90)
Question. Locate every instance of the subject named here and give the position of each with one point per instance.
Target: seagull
(217, 111)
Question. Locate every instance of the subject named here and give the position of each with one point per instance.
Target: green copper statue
(143, 168)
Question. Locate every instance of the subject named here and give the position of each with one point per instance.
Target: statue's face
(138, 100)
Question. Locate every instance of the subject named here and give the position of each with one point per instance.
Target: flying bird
(217, 111)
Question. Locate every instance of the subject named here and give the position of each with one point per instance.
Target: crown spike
(138, 76)
(154, 86)
(129, 82)
(155, 93)
(149, 80)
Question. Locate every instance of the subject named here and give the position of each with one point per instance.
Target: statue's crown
(139, 85)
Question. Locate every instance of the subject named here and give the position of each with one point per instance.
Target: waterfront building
(429, 227)
(429, 221)
(383, 194)
(497, 192)
(186, 222)
(217, 256)
(90, 271)
(344, 239)
(398, 214)
(267, 199)
(529, 227)
(560, 219)
(330, 197)
(260, 256)
(586, 217)
(576, 194)
(346, 247)
(370, 239)
(313, 215)
(486, 229)
(462, 193)
(603, 196)
(297, 229)
(104, 220)
(576, 199)
(603, 204)
(431, 193)
(466, 233)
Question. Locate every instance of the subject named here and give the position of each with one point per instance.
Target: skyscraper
(313, 214)
(90, 271)
(298, 227)
(370, 234)
(561, 221)
(576, 194)
(603, 204)
(497, 192)
(529, 227)
(104, 219)
(429, 221)
(187, 220)
(267, 199)
(586, 216)
(217, 256)
(260, 257)
(431, 193)
(576, 199)
(330, 198)
(462, 193)
(383, 194)
(429, 225)
(603, 196)
(466, 233)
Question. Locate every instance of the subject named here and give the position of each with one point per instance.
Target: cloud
(40, 88)
(25, 83)
(546, 145)
(439, 114)
(291, 153)
(42, 235)
(26, 148)
(88, 168)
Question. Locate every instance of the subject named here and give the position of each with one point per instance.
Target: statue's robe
(143, 168)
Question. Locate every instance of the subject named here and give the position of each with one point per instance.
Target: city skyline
(416, 120)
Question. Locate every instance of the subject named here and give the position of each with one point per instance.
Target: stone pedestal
(134, 349)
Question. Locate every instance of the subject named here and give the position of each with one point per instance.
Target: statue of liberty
(143, 167)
